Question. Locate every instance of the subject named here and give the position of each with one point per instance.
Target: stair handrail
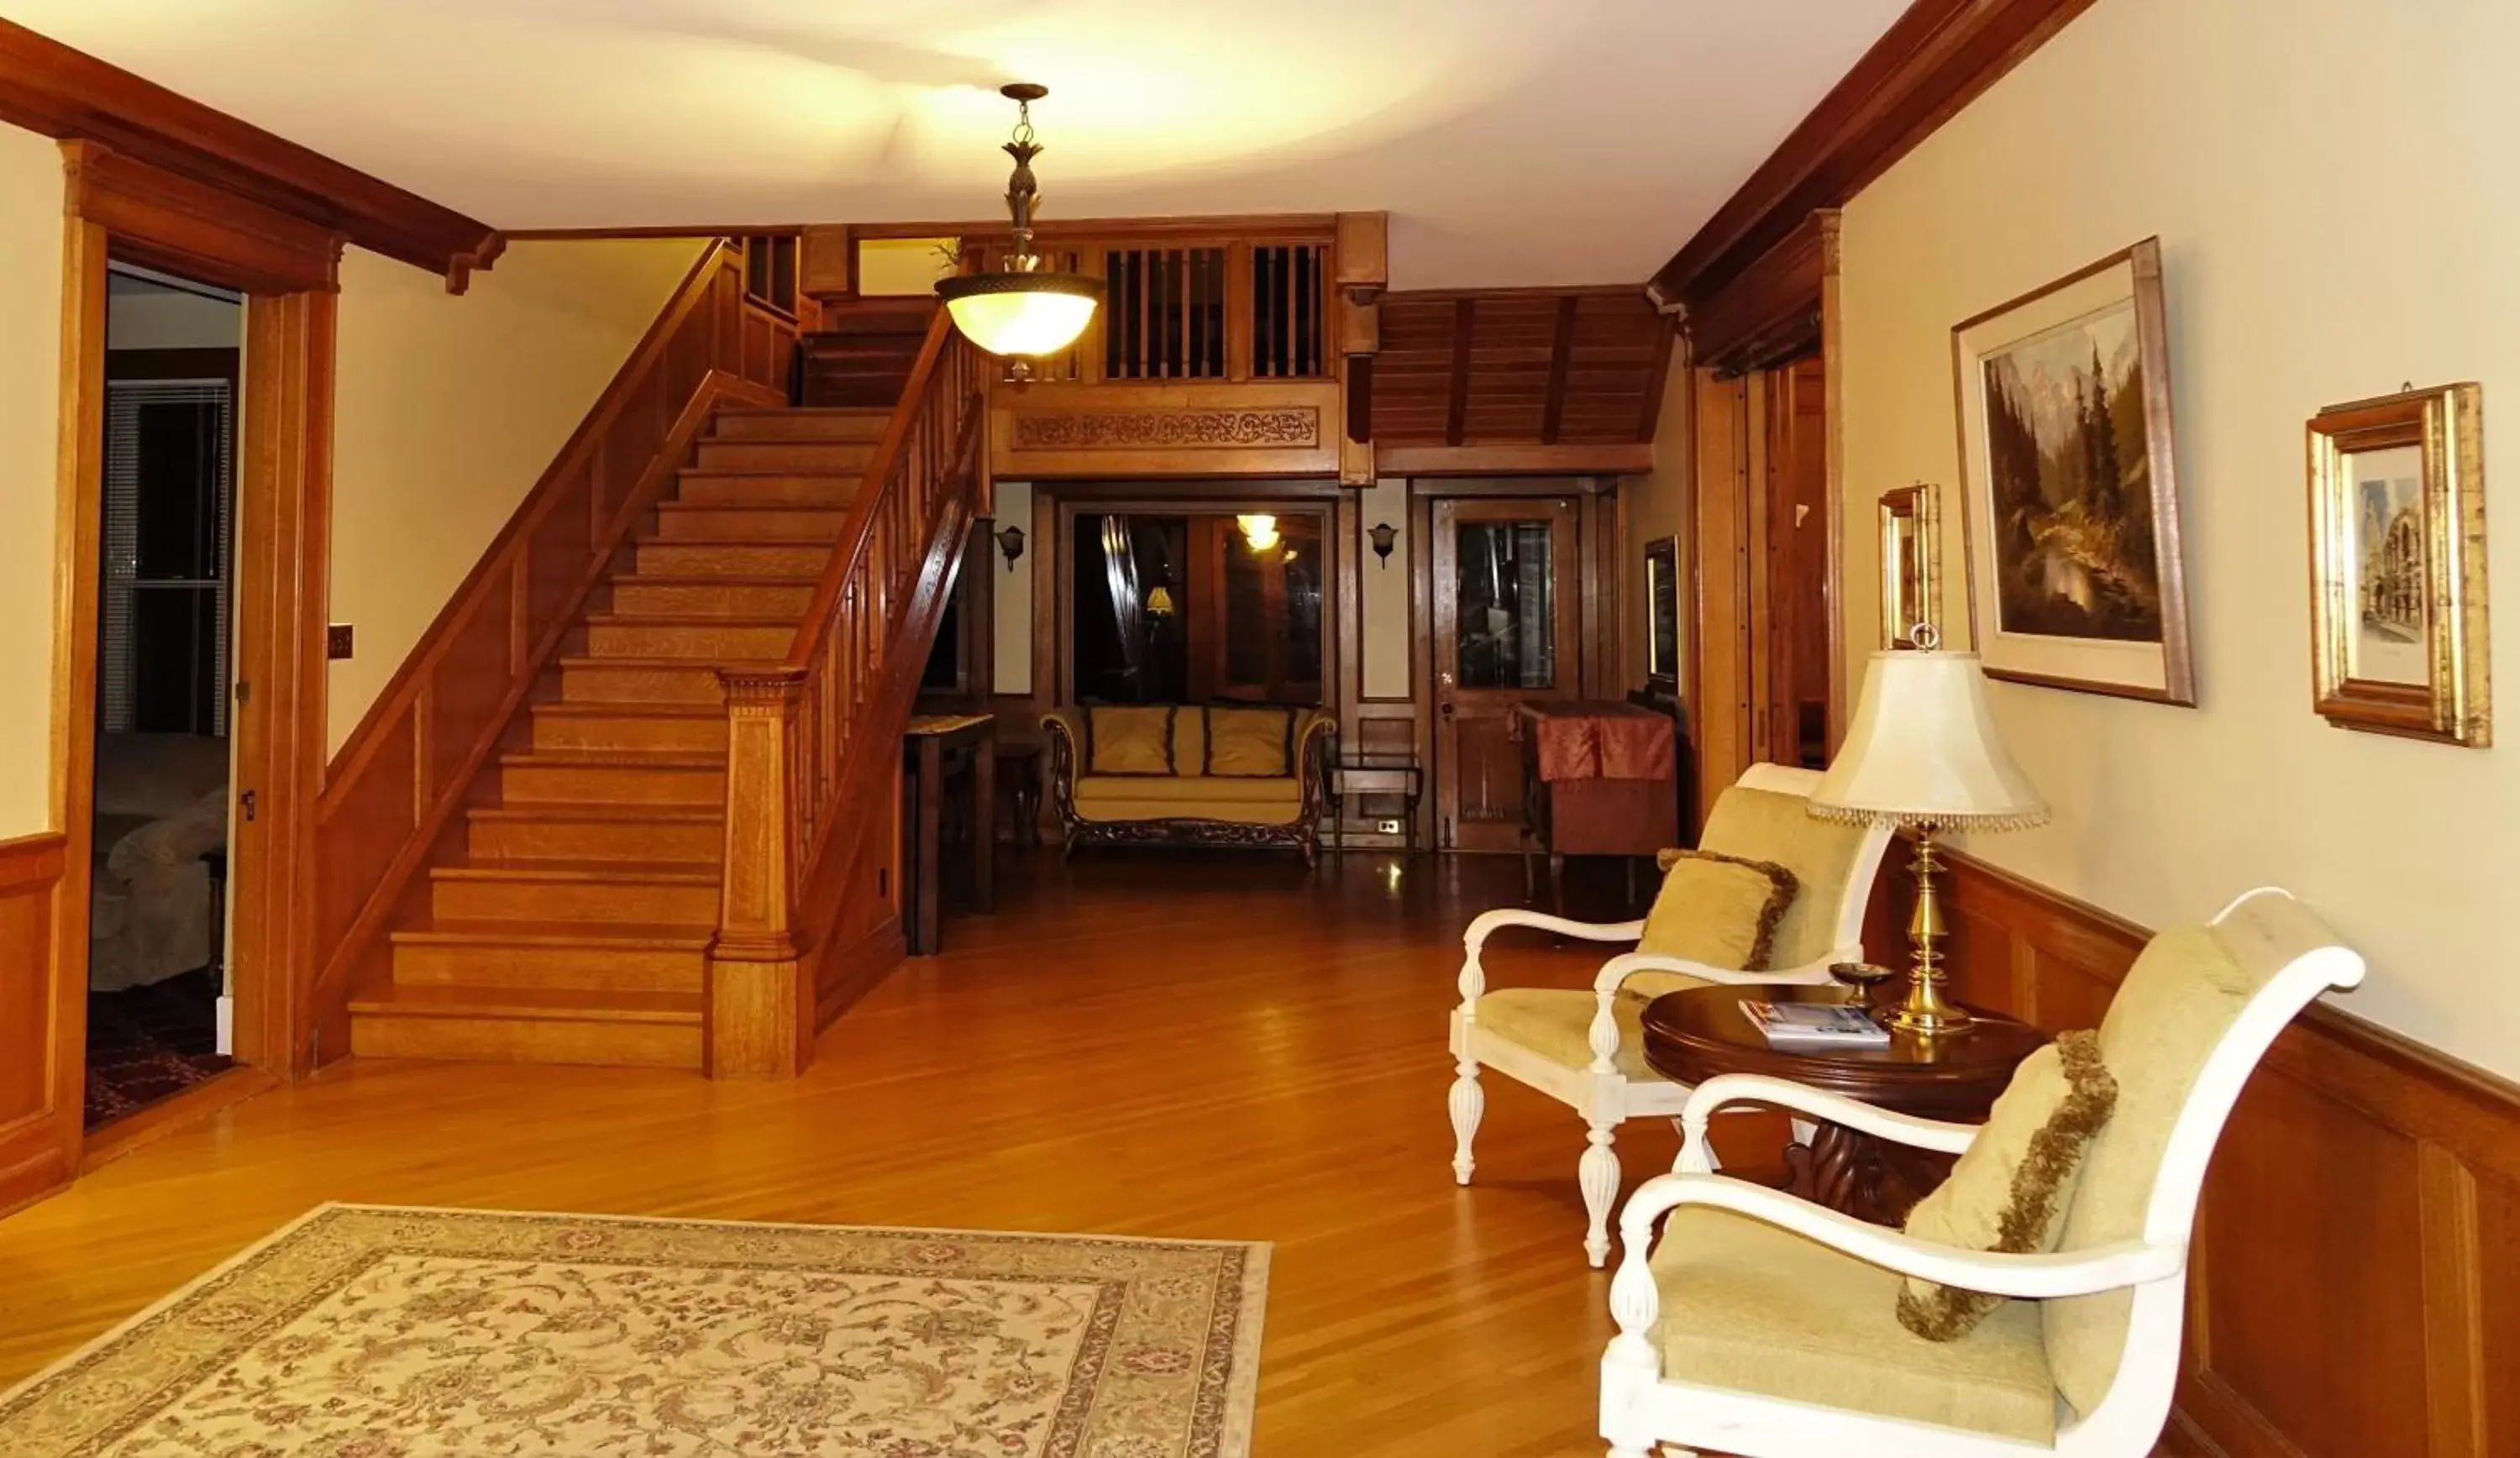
(802, 732)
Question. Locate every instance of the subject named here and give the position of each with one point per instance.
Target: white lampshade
(1018, 320)
(1923, 750)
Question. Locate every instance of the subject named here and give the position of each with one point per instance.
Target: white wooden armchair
(1584, 1049)
(1764, 1326)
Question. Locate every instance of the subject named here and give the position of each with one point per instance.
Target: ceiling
(1513, 142)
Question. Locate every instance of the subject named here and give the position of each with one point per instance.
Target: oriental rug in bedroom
(373, 1332)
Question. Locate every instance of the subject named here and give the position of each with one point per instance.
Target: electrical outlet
(336, 641)
(1388, 827)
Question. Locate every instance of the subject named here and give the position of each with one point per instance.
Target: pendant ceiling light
(1021, 312)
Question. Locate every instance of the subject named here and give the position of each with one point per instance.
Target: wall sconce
(1259, 530)
(1383, 534)
(1011, 542)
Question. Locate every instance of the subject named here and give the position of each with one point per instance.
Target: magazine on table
(1815, 1025)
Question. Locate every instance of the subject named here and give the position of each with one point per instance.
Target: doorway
(1508, 588)
(159, 999)
(1167, 602)
(1798, 681)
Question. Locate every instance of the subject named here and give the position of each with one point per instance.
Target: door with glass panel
(1506, 590)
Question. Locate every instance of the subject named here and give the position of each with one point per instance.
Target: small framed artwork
(2396, 510)
(1662, 613)
(1911, 564)
(2070, 491)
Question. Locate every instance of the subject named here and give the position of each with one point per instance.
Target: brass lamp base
(1925, 1012)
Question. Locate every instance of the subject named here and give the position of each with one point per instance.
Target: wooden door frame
(287, 270)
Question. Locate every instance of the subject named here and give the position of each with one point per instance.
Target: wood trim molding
(168, 221)
(1568, 458)
(2351, 1284)
(49, 87)
(1932, 61)
(1773, 310)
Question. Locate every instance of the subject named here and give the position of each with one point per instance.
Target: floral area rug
(372, 1332)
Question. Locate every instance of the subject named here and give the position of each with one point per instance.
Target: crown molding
(1934, 60)
(49, 87)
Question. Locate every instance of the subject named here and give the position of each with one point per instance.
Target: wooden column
(760, 1002)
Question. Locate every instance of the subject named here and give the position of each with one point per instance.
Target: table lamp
(1923, 756)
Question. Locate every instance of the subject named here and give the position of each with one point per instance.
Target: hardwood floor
(1215, 1045)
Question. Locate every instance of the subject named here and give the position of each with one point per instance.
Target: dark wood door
(1799, 681)
(1507, 604)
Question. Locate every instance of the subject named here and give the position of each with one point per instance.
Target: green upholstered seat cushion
(2175, 1005)
(1557, 1023)
(1129, 740)
(1718, 911)
(2011, 1190)
(1752, 1308)
(1779, 829)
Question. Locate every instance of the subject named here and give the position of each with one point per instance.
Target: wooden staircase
(571, 919)
(863, 354)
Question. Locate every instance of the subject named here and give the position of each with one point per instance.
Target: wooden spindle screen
(1289, 310)
(1164, 316)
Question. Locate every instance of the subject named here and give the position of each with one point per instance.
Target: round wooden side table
(1695, 1035)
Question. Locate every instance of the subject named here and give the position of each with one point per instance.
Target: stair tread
(541, 1003)
(800, 410)
(617, 935)
(680, 506)
(599, 872)
(731, 580)
(689, 620)
(598, 810)
(644, 759)
(780, 472)
(628, 708)
(581, 660)
(719, 544)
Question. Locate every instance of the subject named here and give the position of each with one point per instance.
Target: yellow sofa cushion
(1751, 1308)
(1244, 743)
(2011, 1190)
(1779, 828)
(2177, 1001)
(1189, 797)
(1557, 1023)
(1129, 740)
(1718, 909)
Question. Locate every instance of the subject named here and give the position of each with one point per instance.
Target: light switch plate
(336, 641)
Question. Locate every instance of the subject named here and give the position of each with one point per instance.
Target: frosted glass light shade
(1923, 750)
(1022, 314)
(1258, 530)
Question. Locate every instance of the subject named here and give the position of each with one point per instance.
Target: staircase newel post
(760, 1004)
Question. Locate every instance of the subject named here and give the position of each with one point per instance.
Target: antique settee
(1181, 773)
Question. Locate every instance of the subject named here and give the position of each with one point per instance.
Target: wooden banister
(813, 744)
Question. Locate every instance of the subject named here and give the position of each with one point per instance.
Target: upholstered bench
(1190, 774)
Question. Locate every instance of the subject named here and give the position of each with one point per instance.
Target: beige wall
(31, 309)
(1390, 645)
(450, 409)
(2330, 180)
(1653, 506)
(1012, 668)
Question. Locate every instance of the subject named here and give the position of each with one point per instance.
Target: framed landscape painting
(2071, 492)
(2397, 504)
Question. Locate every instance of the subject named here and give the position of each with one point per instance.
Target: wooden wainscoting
(40, 1096)
(2356, 1285)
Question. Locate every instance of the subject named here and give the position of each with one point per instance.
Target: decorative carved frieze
(1272, 427)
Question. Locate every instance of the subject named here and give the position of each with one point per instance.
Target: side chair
(1764, 1326)
(1585, 1049)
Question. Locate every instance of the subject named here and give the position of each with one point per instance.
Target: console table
(936, 750)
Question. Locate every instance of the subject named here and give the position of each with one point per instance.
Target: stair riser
(750, 524)
(813, 426)
(675, 734)
(630, 597)
(489, 1039)
(808, 456)
(613, 784)
(830, 493)
(682, 559)
(605, 685)
(595, 902)
(709, 641)
(574, 969)
(702, 842)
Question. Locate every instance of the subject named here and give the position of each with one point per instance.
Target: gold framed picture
(2397, 570)
(1911, 564)
(2069, 485)
(1662, 613)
